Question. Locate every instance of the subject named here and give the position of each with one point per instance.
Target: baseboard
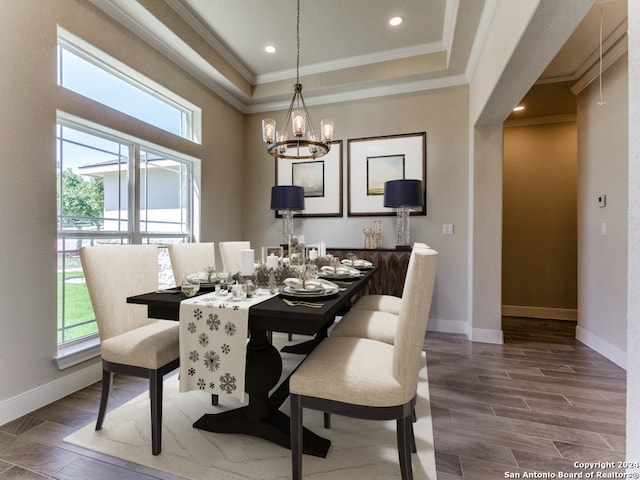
(540, 312)
(604, 348)
(481, 335)
(27, 402)
(447, 326)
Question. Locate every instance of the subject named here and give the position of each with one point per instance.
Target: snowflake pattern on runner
(212, 361)
(228, 383)
(213, 336)
(213, 322)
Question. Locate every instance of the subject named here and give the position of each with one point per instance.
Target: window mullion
(135, 201)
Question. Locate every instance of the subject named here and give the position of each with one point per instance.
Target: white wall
(602, 170)
(633, 313)
(29, 97)
(501, 79)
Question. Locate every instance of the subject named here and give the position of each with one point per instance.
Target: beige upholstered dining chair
(365, 378)
(383, 303)
(373, 316)
(130, 343)
(190, 258)
(230, 253)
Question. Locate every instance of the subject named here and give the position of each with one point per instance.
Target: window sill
(76, 353)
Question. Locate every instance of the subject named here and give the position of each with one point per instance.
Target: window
(115, 188)
(99, 203)
(88, 71)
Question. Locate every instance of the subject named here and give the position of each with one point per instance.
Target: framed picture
(373, 161)
(321, 179)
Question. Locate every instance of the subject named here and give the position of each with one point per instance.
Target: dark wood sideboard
(392, 268)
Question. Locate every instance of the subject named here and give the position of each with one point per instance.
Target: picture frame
(322, 181)
(371, 161)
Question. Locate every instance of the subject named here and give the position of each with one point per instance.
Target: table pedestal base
(261, 417)
(274, 428)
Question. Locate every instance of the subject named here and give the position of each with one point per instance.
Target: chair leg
(414, 448)
(403, 431)
(290, 336)
(296, 437)
(155, 393)
(107, 379)
(327, 420)
(214, 399)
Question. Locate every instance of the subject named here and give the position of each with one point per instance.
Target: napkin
(310, 284)
(357, 263)
(343, 270)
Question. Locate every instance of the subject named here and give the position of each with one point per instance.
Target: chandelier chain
(298, 45)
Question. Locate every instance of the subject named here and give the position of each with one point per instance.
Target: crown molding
(545, 119)
(608, 59)
(363, 94)
(481, 36)
(357, 61)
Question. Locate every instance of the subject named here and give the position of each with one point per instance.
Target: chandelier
(298, 120)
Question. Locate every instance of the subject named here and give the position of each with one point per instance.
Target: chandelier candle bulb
(312, 139)
(298, 123)
(326, 126)
(282, 138)
(268, 130)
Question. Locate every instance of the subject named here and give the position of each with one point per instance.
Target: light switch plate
(447, 229)
(602, 201)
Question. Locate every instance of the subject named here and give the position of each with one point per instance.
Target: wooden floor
(540, 402)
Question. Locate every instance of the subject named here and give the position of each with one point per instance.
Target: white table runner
(213, 343)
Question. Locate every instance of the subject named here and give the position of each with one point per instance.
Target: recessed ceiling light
(395, 21)
(270, 49)
(519, 108)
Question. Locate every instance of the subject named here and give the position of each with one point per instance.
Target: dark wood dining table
(261, 417)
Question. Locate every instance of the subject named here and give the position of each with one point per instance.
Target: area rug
(360, 449)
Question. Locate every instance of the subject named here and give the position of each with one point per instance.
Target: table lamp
(287, 198)
(403, 195)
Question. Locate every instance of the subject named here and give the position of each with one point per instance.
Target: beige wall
(30, 97)
(603, 169)
(539, 241)
(443, 115)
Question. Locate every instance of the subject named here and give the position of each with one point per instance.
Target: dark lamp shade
(287, 197)
(403, 193)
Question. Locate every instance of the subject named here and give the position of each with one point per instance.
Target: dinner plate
(358, 264)
(297, 293)
(339, 276)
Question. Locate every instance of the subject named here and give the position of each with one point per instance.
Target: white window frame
(76, 351)
(192, 114)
